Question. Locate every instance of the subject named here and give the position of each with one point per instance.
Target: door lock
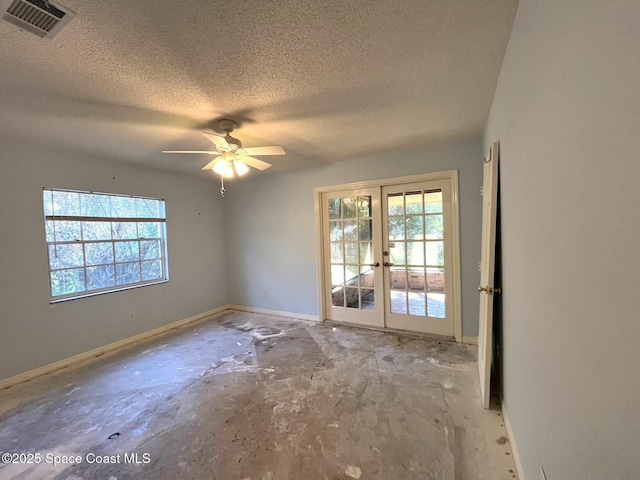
(387, 264)
(489, 290)
(377, 264)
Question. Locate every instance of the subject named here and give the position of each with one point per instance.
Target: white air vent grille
(40, 17)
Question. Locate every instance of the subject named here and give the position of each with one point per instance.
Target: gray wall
(567, 114)
(271, 225)
(34, 333)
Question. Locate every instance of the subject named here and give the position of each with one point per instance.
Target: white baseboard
(66, 362)
(470, 340)
(275, 313)
(512, 442)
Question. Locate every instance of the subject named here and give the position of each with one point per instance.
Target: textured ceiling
(327, 80)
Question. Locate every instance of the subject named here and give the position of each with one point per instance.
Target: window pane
(435, 253)
(364, 230)
(364, 207)
(149, 230)
(127, 251)
(398, 278)
(416, 279)
(47, 201)
(151, 270)
(149, 249)
(395, 204)
(100, 277)
(366, 276)
(399, 302)
(335, 231)
(415, 228)
(349, 207)
(413, 201)
(123, 230)
(65, 256)
(351, 230)
(435, 279)
(396, 228)
(127, 273)
(148, 207)
(337, 297)
(123, 207)
(366, 253)
(66, 231)
(351, 272)
(417, 304)
(336, 253)
(397, 253)
(433, 202)
(66, 203)
(48, 227)
(337, 275)
(334, 208)
(434, 227)
(93, 205)
(351, 253)
(96, 230)
(415, 253)
(435, 305)
(368, 299)
(64, 282)
(98, 253)
(352, 300)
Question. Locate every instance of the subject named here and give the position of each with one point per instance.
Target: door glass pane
(433, 202)
(398, 302)
(368, 299)
(398, 278)
(396, 228)
(415, 253)
(366, 253)
(350, 230)
(336, 252)
(364, 207)
(435, 253)
(366, 276)
(351, 275)
(364, 230)
(351, 252)
(413, 202)
(337, 297)
(397, 253)
(337, 275)
(415, 227)
(334, 208)
(335, 231)
(352, 299)
(417, 304)
(416, 279)
(349, 207)
(395, 203)
(434, 227)
(435, 305)
(435, 280)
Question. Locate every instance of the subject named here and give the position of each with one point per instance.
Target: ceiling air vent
(40, 17)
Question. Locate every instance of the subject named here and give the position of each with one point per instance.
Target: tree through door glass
(416, 253)
(351, 247)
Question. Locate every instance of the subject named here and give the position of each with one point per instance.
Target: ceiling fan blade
(254, 162)
(191, 151)
(218, 140)
(269, 150)
(209, 166)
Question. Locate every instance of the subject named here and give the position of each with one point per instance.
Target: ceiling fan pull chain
(222, 190)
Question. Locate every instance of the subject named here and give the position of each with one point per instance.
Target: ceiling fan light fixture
(223, 167)
(240, 167)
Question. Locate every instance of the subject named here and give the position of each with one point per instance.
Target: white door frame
(452, 176)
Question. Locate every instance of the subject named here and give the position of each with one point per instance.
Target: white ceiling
(327, 80)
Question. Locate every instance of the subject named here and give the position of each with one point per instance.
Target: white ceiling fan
(233, 158)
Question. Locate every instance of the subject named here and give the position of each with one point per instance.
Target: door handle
(489, 290)
(377, 264)
(387, 264)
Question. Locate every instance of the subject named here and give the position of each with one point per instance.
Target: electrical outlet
(132, 316)
(543, 476)
(264, 292)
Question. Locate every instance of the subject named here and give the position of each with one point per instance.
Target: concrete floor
(248, 396)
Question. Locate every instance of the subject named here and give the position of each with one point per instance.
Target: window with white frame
(100, 242)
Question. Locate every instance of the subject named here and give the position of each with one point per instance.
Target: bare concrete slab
(249, 396)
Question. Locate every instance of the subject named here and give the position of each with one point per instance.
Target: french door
(389, 256)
